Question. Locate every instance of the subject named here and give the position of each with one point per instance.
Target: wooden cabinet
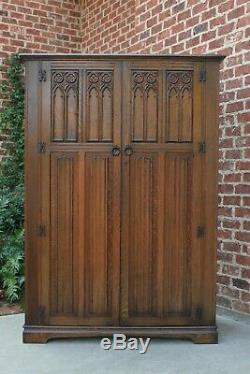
(121, 195)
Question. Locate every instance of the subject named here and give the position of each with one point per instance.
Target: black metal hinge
(202, 147)
(200, 231)
(41, 147)
(42, 75)
(203, 75)
(41, 230)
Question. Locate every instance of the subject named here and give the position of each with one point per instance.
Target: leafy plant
(11, 183)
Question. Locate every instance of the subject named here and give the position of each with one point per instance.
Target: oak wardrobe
(121, 196)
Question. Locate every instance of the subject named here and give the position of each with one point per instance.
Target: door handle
(128, 150)
(116, 150)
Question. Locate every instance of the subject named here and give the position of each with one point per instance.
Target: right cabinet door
(162, 194)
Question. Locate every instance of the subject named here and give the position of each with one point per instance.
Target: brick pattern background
(37, 26)
(167, 26)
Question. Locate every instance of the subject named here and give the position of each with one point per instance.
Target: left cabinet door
(78, 194)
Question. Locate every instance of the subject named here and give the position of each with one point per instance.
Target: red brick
(243, 165)
(244, 237)
(231, 247)
(232, 178)
(235, 13)
(245, 296)
(246, 226)
(225, 257)
(242, 189)
(235, 107)
(222, 279)
(245, 273)
(246, 200)
(246, 177)
(233, 154)
(243, 260)
(243, 93)
(242, 70)
(242, 212)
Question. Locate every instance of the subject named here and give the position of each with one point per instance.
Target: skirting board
(198, 334)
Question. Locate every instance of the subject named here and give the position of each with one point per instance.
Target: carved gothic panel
(65, 102)
(144, 106)
(179, 112)
(99, 127)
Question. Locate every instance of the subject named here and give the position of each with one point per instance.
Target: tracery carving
(179, 108)
(145, 80)
(179, 80)
(65, 80)
(100, 80)
(65, 104)
(99, 109)
(145, 105)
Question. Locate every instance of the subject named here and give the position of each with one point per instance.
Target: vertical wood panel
(179, 121)
(173, 116)
(178, 220)
(99, 106)
(62, 224)
(144, 113)
(142, 240)
(64, 105)
(72, 115)
(152, 115)
(93, 125)
(186, 116)
(58, 115)
(138, 120)
(98, 239)
(107, 107)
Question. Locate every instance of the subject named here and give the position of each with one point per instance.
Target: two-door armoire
(121, 196)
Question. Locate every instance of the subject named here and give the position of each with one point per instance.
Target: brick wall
(37, 26)
(170, 26)
(191, 26)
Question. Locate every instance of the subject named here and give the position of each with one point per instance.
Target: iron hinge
(198, 313)
(41, 147)
(200, 231)
(202, 147)
(42, 75)
(203, 75)
(41, 230)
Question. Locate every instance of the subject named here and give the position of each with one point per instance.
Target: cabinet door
(162, 194)
(80, 178)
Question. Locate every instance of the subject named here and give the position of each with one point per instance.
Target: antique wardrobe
(121, 196)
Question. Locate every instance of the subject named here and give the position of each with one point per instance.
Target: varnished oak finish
(200, 335)
(115, 198)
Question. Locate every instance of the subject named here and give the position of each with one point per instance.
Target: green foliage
(11, 183)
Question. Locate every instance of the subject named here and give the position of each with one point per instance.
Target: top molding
(81, 56)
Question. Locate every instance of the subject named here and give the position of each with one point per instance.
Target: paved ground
(230, 356)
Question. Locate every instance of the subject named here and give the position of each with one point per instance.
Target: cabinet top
(81, 56)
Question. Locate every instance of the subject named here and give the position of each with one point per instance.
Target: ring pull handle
(128, 150)
(116, 150)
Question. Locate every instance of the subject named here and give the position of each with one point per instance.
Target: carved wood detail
(142, 248)
(179, 121)
(65, 104)
(98, 236)
(63, 271)
(178, 247)
(99, 125)
(145, 106)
